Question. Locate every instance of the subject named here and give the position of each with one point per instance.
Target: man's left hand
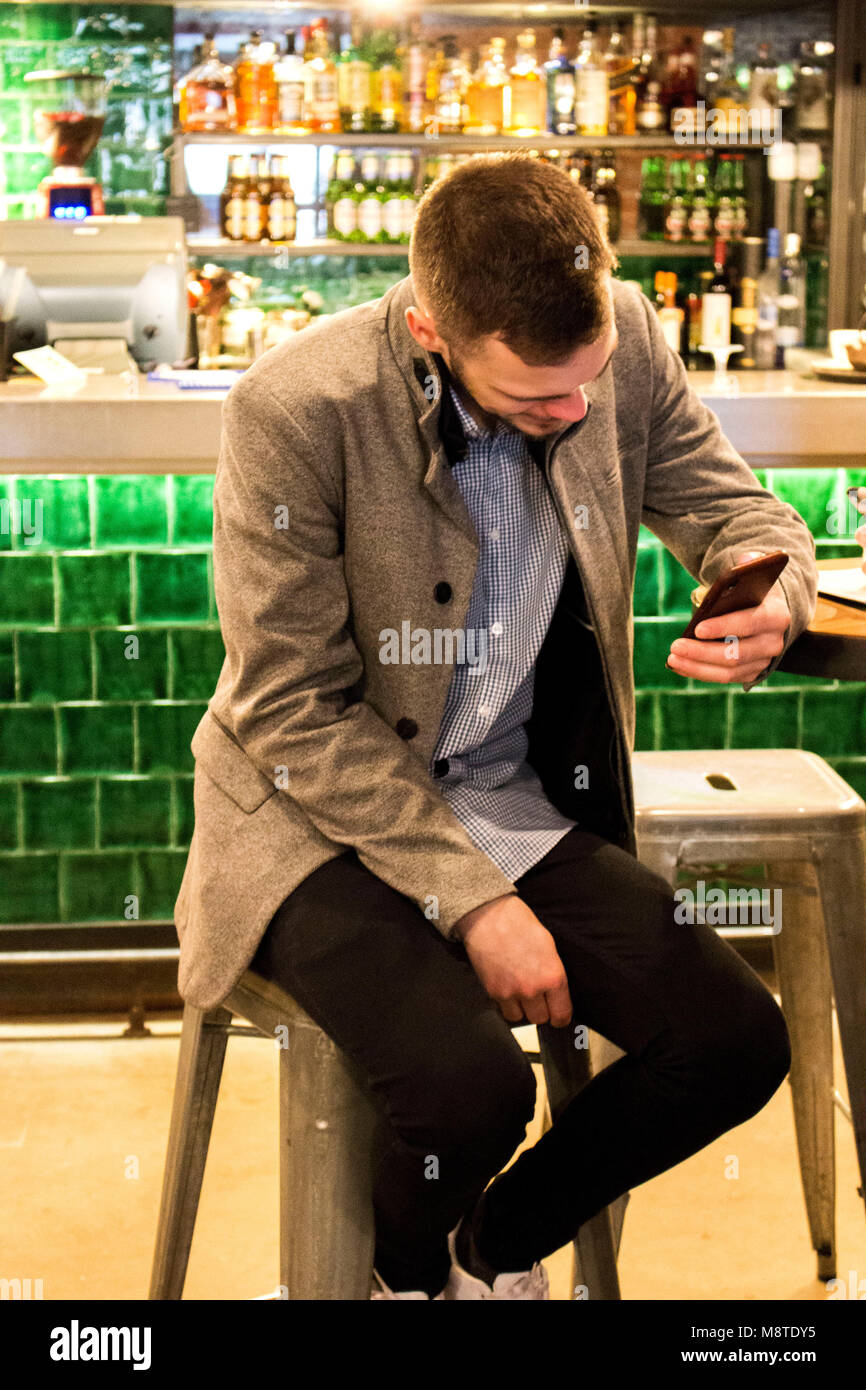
(759, 633)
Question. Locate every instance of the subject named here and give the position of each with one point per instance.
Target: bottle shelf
(216, 246)
(663, 141)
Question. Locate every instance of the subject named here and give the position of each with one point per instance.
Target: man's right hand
(515, 959)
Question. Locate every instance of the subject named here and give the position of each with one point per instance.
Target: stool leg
(567, 1069)
(327, 1125)
(842, 877)
(199, 1068)
(803, 972)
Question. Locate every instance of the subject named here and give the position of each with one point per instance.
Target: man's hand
(760, 634)
(516, 960)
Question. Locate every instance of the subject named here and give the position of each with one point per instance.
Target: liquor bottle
(206, 95)
(392, 198)
(680, 88)
(744, 322)
(791, 300)
(723, 220)
(525, 101)
(591, 92)
(415, 106)
(452, 83)
(649, 114)
(254, 203)
(321, 97)
(617, 64)
(676, 226)
(353, 84)
(370, 203)
(289, 77)
(728, 96)
(692, 331)
(813, 90)
(768, 305)
(605, 196)
(341, 207)
(410, 202)
(815, 193)
(256, 85)
(764, 80)
(485, 93)
(741, 208)
(280, 223)
(716, 304)
(386, 88)
(670, 314)
(652, 198)
(350, 228)
(233, 200)
(631, 92)
(560, 87)
(701, 215)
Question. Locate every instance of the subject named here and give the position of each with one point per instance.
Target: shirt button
(442, 592)
(406, 728)
(440, 767)
(494, 534)
(496, 629)
(483, 711)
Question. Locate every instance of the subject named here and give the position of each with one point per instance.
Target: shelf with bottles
(407, 83)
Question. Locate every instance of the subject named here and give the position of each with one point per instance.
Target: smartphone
(742, 586)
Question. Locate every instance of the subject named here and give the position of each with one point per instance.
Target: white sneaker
(528, 1284)
(384, 1292)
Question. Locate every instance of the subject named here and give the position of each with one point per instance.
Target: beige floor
(83, 1128)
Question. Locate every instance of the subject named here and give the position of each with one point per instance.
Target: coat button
(406, 728)
(440, 767)
(442, 592)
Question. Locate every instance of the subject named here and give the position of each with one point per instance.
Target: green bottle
(392, 197)
(701, 216)
(652, 198)
(342, 209)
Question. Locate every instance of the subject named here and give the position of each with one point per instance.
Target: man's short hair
(511, 245)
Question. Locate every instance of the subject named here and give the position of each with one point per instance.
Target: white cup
(838, 337)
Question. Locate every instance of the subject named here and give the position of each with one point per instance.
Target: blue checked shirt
(480, 759)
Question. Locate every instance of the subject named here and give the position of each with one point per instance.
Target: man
(426, 848)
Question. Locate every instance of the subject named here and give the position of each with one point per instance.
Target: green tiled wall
(130, 159)
(110, 649)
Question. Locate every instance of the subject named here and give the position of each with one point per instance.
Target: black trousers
(706, 1046)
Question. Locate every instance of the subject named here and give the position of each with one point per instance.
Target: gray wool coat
(337, 517)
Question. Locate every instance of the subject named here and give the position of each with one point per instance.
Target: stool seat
(771, 787)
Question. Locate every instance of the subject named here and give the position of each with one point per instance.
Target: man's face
(538, 401)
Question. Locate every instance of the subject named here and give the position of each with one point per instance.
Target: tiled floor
(83, 1129)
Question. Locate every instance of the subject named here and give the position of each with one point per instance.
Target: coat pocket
(226, 763)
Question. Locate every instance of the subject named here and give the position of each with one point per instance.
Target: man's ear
(423, 329)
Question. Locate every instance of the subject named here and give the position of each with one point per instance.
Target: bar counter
(126, 425)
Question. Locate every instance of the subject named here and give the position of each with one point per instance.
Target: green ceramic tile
(55, 513)
(646, 582)
(131, 510)
(8, 816)
(161, 873)
(647, 537)
(54, 666)
(693, 719)
(164, 734)
(96, 887)
(812, 492)
(184, 810)
(7, 666)
(838, 550)
(8, 515)
(193, 509)
(28, 888)
(172, 587)
(677, 586)
(94, 590)
(762, 475)
(134, 811)
(27, 741)
(96, 738)
(59, 814)
(645, 720)
(788, 678)
(852, 771)
(26, 589)
(198, 655)
(131, 665)
(834, 721)
(652, 646)
(765, 718)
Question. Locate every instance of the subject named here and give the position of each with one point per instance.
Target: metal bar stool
(697, 811)
(328, 1119)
